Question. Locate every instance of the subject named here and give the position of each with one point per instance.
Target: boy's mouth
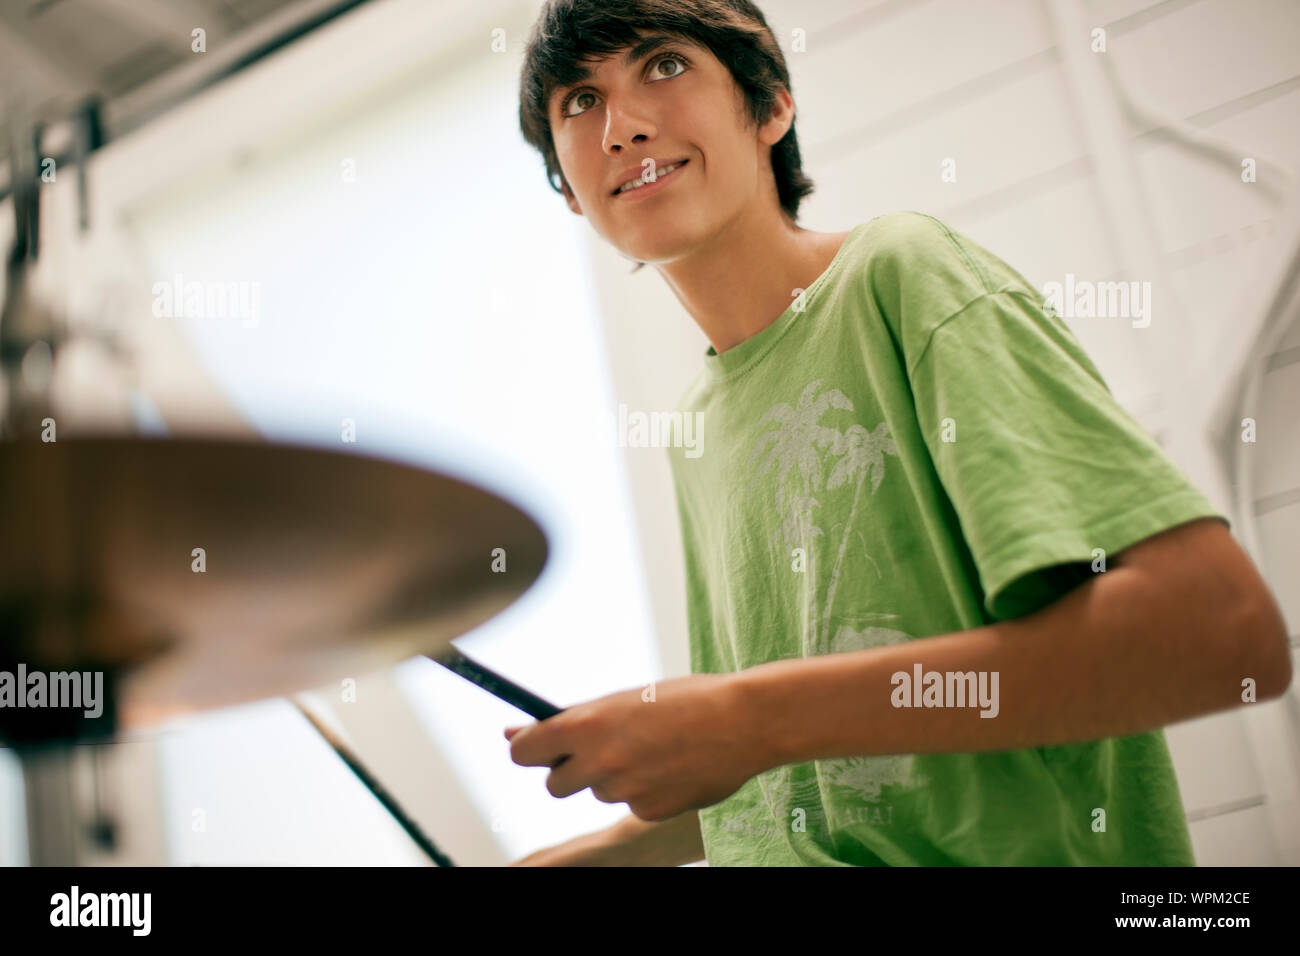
(633, 185)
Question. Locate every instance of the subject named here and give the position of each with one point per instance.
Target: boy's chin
(655, 249)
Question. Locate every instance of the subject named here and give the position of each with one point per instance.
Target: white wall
(887, 90)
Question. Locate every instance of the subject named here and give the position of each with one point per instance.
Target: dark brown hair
(568, 32)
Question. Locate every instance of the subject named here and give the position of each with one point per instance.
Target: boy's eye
(578, 98)
(657, 73)
(668, 58)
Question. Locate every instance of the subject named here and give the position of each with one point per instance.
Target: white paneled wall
(885, 91)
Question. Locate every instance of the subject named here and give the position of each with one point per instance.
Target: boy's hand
(675, 746)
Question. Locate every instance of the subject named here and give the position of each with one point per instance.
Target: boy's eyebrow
(644, 48)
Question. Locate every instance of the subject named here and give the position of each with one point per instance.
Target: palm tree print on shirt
(831, 796)
(855, 456)
(793, 446)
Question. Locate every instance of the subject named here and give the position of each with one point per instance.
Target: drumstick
(374, 786)
(472, 671)
(495, 684)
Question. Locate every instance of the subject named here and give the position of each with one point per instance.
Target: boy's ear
(571, 199)
(779, 120)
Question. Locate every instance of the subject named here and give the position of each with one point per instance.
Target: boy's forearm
(672, 842)
(1102, 661)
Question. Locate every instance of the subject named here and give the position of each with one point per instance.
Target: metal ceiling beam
(19, 39)
(255, 42)
(166, 16)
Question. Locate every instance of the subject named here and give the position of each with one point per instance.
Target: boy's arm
(1170, 632)
(672, 842)
(629, 842)
(1173, 630)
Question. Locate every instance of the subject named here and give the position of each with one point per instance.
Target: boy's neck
(745, 278)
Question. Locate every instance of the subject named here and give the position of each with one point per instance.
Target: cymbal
(202, 572)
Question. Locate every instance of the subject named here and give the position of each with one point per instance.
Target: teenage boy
(943, 591)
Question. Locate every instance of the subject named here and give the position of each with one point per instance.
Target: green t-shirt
(945, 455)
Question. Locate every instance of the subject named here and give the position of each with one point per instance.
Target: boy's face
(665, 108)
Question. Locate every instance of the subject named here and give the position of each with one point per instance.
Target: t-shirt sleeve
(1041, 463)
